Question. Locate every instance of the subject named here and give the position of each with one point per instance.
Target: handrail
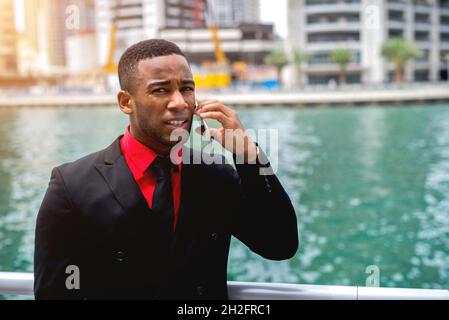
(22, 284)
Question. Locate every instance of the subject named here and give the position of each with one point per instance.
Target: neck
(150, 143)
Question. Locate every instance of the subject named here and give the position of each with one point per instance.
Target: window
(421, 75)
(333, 37)
(422, 36)
(395, 33)
(422, 18)
(395, 15)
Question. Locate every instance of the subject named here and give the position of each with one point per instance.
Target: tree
(399, 51)
(278, 59)
(299, 57)
(342, 57)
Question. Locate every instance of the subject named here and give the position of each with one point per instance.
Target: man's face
(164, 98)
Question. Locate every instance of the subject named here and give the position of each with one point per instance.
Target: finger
(217, 115)
(199, 105)
(217, 106)
(202, 103)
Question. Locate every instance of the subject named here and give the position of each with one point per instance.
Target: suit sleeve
(55, 240)
(264, 218)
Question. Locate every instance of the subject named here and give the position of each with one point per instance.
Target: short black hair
(146, 49)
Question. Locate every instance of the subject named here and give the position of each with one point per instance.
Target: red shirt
(139, 157)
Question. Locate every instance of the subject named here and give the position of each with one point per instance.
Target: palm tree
(399, 51)
(278, 59)
(299, 57)
(342, 57)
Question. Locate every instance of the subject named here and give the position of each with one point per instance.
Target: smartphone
(203, 124)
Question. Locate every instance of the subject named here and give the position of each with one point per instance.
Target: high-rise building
(230, 13)
(137, 20)
(81, 42)
(54, 31)
(185, 23)
(8, 38)
(83, 12)
(319, 26)
(43, 37)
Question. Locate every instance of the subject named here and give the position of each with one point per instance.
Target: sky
(274, 11)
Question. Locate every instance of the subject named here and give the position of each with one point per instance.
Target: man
(127, 223)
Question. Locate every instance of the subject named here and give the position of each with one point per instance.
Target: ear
(125, 102)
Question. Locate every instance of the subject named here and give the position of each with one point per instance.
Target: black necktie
(163, 194)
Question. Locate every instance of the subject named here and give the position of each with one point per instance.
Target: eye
(160, 90)
(188, 89)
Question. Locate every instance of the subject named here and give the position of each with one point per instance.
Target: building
(81, 37)
(42, 41)
(319, 26)
(137, 20)
(79, 16)
(185, 23)
(231, 13)
(246, 42)
(8, 39)
(52, 27)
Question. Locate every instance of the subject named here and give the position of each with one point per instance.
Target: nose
(177, 101)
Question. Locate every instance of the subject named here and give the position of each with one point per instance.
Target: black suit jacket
(94, 217)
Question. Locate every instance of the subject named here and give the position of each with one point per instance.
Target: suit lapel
(118, 176)
(128, 196)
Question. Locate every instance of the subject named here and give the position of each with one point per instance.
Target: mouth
(176, 124)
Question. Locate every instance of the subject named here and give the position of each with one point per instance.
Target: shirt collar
(141, 156)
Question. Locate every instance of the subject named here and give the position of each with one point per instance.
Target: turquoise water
(370, 187)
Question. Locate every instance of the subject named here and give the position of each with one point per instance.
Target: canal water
(370, 187)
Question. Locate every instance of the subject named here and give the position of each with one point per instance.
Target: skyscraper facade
(363, 26)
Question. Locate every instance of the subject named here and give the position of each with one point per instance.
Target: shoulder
(85, 165)
(80, 165)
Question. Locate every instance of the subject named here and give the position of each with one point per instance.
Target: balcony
(422, 65)
(423, 44)
(421, 8)
(396, 5)
(394, 24)
(333, 8)
(133, 23)
(333, 26)
(331, 68)
(329, 46)
(423, 26)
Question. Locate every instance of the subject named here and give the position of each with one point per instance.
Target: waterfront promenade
(307, 98)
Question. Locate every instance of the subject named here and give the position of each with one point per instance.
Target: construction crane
(218, 74)
(220, 56)
(105, 75)
(111, 66)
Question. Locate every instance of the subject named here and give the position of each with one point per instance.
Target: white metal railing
(16, 283)
(22, 284)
